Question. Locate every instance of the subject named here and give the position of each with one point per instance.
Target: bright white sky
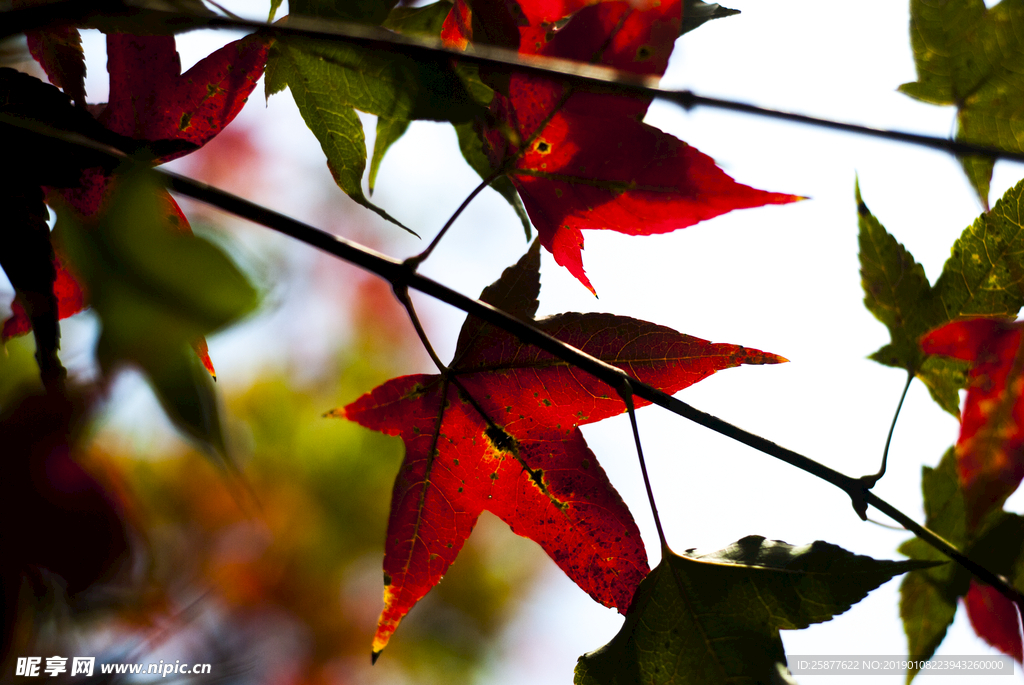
(783, 279)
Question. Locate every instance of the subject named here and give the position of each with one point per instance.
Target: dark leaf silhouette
(710, 619)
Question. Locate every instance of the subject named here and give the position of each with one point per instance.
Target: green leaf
(895, 290)
(984, 274)
(274, 5)
(944, 378)
(973, 58)
(329, 80)
(472, 149)
(419, 21)
(927, 610)
(155, 290)
(696, 13)
(388, 132)
(928, 597)
(361, 11)
(382, 82)
(326, 113)
(411, 21)
(715, 618)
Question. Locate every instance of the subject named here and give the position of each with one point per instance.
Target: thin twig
(414, 262)
(402, 293)
(586, 75)
(870, 481)
(626, 393)
(399, 275)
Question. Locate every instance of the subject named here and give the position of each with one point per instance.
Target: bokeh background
(277, 577)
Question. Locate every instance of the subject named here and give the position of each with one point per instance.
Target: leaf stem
(870, 481)
(413, 263)
(402, 293)
(626, 393)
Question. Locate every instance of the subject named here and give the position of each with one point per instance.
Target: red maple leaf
(500, 432)
(995, 619)
(990, 449)
(151, 100)
(582, 159)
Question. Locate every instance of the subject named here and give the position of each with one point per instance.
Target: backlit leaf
(501, 433)
(928, 597)
(705, 619)
(582, 159)
(388, 133)
(991, 441)
(330, 80)
(972, 57)
(982, 277)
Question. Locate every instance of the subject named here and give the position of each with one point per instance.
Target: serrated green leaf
(927, 612)
(388, 133)
(715, 618)
(419, 21)
(331, 119)
(697, 12)
(155, 291)
(895, 289)
(472, 149)
(973, 58)
(985, 273)
(361, 11)
(928, 598)
(983, 277)
(382, 82)
(897, 292)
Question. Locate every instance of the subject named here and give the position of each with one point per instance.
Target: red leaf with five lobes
(512, 445)
(995, 619)
(582, 159)
(990, 449)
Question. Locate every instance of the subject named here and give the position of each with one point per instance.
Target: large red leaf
(990, 449)
(581, 159)
(995, 619)
(150, 99)
(501, 433)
